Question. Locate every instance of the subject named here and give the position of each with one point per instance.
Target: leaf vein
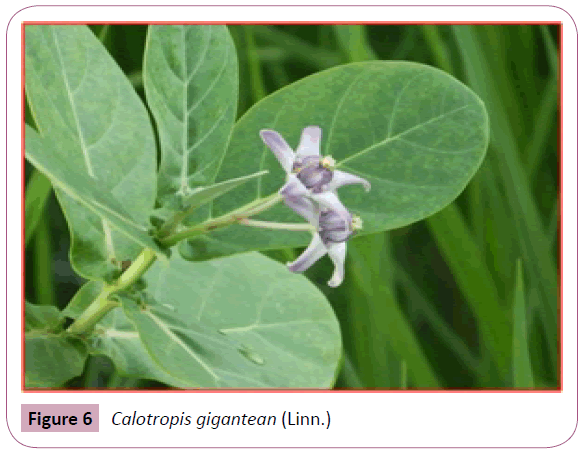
(73, 107)
(399, 135)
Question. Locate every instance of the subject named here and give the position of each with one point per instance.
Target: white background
(372, 419)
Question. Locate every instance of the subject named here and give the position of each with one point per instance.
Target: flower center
(314, 172)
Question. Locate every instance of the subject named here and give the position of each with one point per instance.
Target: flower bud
(333, 227)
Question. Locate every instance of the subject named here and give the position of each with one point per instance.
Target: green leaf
(37, 317)
(93, 122)
(243, 321)
(191, 83)
(117, 337)
(202, 195)
(417, 134)
(522, 372)
(51, 358)
(107, 232)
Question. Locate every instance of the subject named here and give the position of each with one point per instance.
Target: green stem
(43, 258)
(246, 211)
(277, 225)
(103, 304)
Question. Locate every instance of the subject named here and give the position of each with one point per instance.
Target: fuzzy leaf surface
(191, 83)
(242, 321)
(92, 119)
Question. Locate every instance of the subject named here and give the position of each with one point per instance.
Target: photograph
(286, 206)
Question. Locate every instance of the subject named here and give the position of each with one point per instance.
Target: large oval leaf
(243, 321)
(86, 108)
(191, 83)
(416, 133)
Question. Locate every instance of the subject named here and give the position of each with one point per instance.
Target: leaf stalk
(103, 302)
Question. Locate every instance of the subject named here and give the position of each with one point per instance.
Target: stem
(251, 209)
(102, 304)
(277, 225)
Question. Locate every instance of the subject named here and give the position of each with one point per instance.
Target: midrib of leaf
(402, 133)
(188, 78)
(178, 341)
(73, 108)
(184, 172)
(106, 229)
(121, 334)
(256, 325)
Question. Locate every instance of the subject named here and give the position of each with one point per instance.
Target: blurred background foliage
(465, 298)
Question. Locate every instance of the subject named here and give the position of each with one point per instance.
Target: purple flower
(332, 233)
(306, 167)
(310, 191)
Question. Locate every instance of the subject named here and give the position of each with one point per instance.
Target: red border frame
(297, 390)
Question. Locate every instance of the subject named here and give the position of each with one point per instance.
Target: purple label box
(59, 418)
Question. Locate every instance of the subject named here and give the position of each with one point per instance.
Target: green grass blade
(38, 190)
(522, 372)
(373, 303)
(467, 264)
(315, 56)
(551, 50)
(446, 335)
(353, 42)
(403, 375)
(43, 264)
(545, 125)
(256, 74)
(438, 48)
(349, 376)
(494, 88)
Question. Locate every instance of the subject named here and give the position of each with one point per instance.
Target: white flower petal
(312, 253)
(337, 253)
(330, 200)
(341, 178)
(295, 195)
(280, 148)
(305, 208)
(293, 188)
(309, 142)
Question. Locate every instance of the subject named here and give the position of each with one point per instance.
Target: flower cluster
(310, 190)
